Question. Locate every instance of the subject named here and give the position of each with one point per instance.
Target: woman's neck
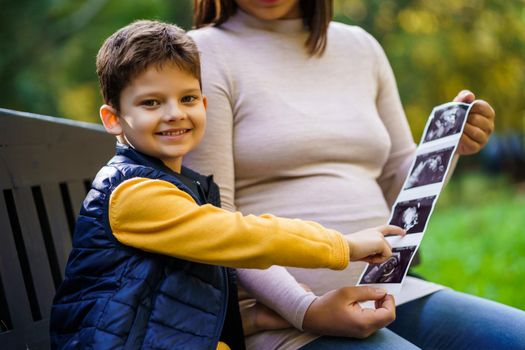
(242, 19)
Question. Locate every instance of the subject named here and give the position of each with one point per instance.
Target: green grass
(475, 240)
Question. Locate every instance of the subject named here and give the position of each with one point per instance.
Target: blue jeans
(443, 320)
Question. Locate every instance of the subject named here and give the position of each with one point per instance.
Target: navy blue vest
(114, 296)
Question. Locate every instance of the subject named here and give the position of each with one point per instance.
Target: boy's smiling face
(162, 114)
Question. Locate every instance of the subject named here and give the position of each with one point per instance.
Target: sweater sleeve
(155, 216)
(391, 112)
(277, 288)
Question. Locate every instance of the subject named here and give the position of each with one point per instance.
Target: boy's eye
(150, 103)
(188, 99)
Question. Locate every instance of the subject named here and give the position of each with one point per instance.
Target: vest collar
(141, 158)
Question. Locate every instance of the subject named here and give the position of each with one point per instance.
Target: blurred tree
(48, 49)
(439, 47)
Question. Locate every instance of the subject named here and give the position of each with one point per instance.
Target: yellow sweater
(155, 216)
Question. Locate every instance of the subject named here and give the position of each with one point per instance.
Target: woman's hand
(338, 313)
(370, 245)
(257, 317)
(479, 126)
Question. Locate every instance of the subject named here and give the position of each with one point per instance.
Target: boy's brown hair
(134, 48)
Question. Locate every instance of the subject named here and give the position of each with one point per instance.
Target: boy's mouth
(173, 132)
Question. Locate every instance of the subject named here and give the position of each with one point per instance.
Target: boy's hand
(338, 313)
(370, 245)
(479, 126)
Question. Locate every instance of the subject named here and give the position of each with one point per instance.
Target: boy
(146, 266)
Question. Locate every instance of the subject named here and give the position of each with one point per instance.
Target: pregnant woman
(305, 121)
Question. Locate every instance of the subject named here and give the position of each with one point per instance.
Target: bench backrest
(46, 166)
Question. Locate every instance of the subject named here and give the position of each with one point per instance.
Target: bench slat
(77, 192)
(58, 223)
(5, 178)
(15, 290)
(39, 150)
(33, 337)
(35, 247)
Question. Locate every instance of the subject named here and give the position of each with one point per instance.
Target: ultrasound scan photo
(392, 270)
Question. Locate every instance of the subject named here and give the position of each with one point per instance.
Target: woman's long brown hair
(317, 15)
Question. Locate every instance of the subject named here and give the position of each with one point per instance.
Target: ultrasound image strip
(413, 207)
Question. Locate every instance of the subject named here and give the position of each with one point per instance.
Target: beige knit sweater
(322, 139)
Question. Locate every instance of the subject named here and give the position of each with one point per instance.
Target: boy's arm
(155, 216)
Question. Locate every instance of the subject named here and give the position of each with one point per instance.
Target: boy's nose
(174, 111)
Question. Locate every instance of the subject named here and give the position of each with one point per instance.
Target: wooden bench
(46, 166)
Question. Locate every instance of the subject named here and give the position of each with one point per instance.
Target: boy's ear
(110, 119)
(205, 101)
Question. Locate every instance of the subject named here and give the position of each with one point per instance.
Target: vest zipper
(224, 275)
(224, 304)
(201, 192)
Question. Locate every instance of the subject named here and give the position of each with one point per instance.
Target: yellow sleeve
(222, 346)
(155, 216)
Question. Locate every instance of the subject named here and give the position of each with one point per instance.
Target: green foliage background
(440, 47)
(437, 48)
(48, 50)
(475, 241)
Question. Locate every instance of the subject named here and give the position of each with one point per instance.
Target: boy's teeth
(173, 133)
